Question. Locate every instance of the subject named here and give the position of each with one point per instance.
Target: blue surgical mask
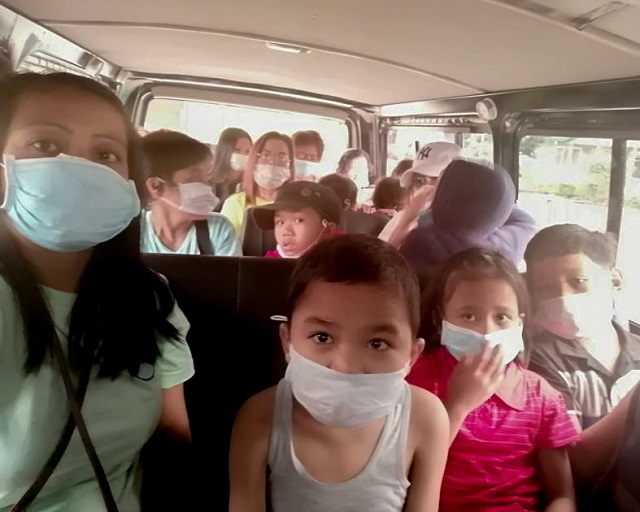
(460, 341)
(65, 203)
(306, 169)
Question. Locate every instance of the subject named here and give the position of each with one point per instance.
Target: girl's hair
(348, 156)
(388, 194)
(473, 264)
(225, 147)
(121, 305)
(248, 182)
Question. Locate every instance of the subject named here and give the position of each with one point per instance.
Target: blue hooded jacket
(474, 206)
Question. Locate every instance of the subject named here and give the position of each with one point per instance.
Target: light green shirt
(120, 414)
(221, 233)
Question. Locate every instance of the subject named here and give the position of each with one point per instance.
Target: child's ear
(417, 348)
(285, 339)
(154, 187)
(330, 226)
(616, 278)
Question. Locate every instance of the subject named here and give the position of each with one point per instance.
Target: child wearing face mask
(581, 350)
(509, 429)
(179, 218)
(302, 215)
(343, 430)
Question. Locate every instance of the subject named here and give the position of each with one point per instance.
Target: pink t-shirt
(492, 463)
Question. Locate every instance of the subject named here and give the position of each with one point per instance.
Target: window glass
(404, 141)
(205, 121)
(565, 179)
(629, 241)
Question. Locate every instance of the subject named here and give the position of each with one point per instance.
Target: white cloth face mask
(343, 400)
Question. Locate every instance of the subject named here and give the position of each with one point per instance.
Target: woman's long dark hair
(121, 305)
(225, 147)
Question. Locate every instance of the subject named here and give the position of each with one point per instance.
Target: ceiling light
(287, 48)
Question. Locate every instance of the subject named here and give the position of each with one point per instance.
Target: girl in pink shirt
(509, 428)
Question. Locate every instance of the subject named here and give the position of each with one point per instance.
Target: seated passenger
(592, 360)
(389, 196)
(270, 165)
(302, 215)
(401, 166)
(345, 188)
(309, 148)
(473, 206)
(229, 162)
(420, 181)
(509, 429)
(356, 165)
(180, 218)
(77, 305)
(343, 430)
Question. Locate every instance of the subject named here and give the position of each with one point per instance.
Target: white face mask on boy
(343, 400)
(581, 315)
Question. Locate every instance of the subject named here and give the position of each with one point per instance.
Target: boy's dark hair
(473, 264)
(357, 259)
(167, 151)
(307, 138)
(388, 194)
(563, 239)
(345, 188)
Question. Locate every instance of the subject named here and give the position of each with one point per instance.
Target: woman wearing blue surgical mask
(83, 321)
(180, 218)
(271, 164)
(230, 161)
(510, 430)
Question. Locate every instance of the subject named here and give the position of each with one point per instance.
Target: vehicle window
(403, 142)
(628, 244)
(205, 121)
(565, 179)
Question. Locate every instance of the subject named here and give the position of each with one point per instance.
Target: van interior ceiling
(373, 52)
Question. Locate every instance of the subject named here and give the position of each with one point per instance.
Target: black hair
(167, 151)
(472, 264)
(388, 194)
(225, 147)
(345, 188)
(357, 259)
(308, 138)
(121, 305)
(563, 239)
(401, 167)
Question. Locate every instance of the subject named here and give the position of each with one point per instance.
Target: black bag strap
(75, 419)
(202, 234)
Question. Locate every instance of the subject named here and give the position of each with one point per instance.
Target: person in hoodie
(473, 206)
(303, 214)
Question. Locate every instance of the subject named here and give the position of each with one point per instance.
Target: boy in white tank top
(343, 430)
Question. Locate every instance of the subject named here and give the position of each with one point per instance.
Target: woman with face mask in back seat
(180, 217)
(271, 164)
(229, 162)
(90, 338)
